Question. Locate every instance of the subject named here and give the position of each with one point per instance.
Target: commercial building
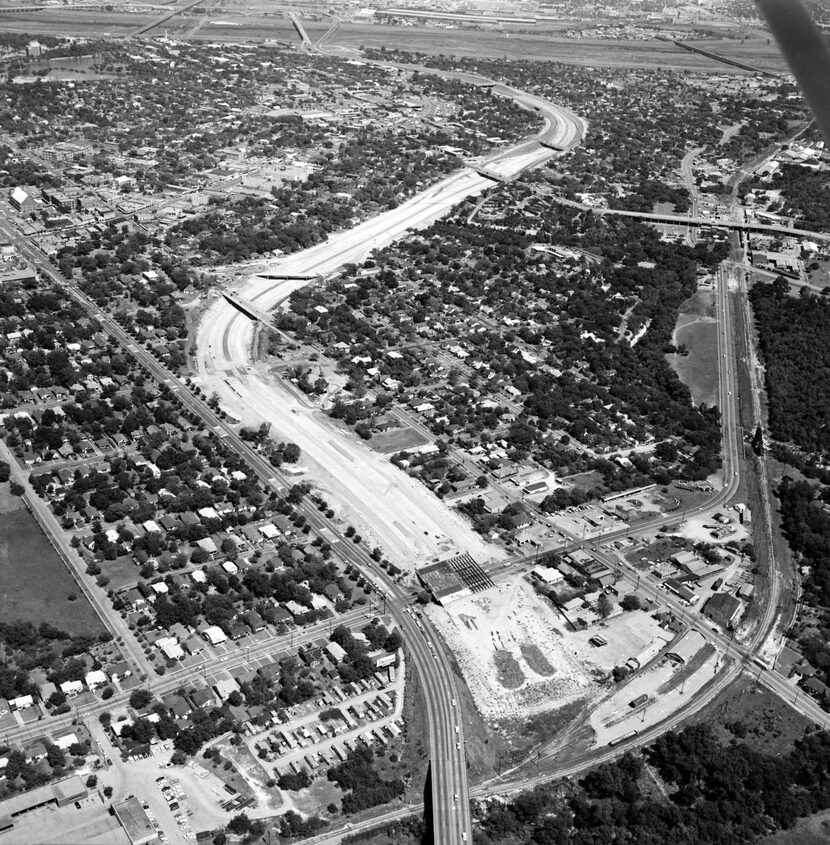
(724, 609)
(454, 578)
(135, 821)
(21, 201)
(69, 790)
(55, 794)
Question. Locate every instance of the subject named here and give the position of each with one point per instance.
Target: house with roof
(298, 611)
(46, 690)
(268, 530)
(335, 652)
(253, 620)
(279, 615)
(202, 699)
(120, 670)
(72, 687)
(238, 629)
(207, 545)
(177, 705)
(332, 592)
(225, 686)
(214, 635)
(96, 678)
(170, 648)
(193, 644)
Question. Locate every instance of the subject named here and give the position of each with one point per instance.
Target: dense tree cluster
(583, 342)
(716, 794)
(804, 192)
(794, 337)
(633, 113)
(360, 780)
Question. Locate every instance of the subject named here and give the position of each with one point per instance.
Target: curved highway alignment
(224, 346)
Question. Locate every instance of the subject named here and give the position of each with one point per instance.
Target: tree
(107, 792)
(294, 782)
(140, 698)
(604, 606)
(239, 825)
(55, 756)
(16, 489)
(92, 781)
(631, 602)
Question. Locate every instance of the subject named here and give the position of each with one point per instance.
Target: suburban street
(377, 492)
(401, 515)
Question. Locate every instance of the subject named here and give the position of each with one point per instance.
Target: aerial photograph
(415, 422)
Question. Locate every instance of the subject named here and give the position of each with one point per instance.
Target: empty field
(538, 43)
(514, 660)
(397, 440)
(699, 369)
(34, 582)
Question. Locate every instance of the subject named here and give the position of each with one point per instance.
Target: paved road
(243, 658)
(452, 820)
(73, 562)
(224, 347)
(689, 220)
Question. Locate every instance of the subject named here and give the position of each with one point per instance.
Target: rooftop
(135, 821)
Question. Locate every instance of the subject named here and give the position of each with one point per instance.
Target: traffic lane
(438, 688)
(429, 671)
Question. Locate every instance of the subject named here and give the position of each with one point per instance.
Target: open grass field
(397, 440)
(699, 369)
(92, 24)
(758, 50)
(246, 22)
(541, 43)
(34, 582)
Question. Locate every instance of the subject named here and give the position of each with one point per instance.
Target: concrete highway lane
(224, 346)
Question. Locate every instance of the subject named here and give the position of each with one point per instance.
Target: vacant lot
(397, 440)
(699, 369)
(537, 43)
(34, 583)
(514, 659)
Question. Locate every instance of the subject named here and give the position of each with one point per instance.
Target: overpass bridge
(489, 174)
(255, 313)
(717, 56)
(304, 277)
(689, 220)
(164, 18)
(298, 25)
(251, 311)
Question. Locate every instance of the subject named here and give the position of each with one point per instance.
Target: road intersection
(224, 346)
